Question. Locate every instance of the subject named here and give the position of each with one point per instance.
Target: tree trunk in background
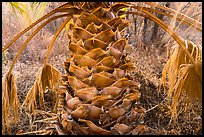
(144, 33)
(155, 29)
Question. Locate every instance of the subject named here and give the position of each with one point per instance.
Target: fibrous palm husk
(47, 78)
(9, 100)
(103, 91)
(185, 78)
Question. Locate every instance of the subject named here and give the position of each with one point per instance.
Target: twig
(196, 15)
(44, 120)
(48, 132)
(44, 112)
(120, 95)
(59, 130)
(109, 124)
(186, 6)
(33, 132)
(155, 106)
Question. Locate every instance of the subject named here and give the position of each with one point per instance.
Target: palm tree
(97, 91)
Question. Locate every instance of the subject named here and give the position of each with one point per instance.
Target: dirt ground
(149, 62)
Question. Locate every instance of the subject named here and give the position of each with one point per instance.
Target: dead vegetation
(154, 108)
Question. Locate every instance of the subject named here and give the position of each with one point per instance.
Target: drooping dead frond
(188, 83)
(44, 76)
(184, 78)
(47, 78)
(10, 101)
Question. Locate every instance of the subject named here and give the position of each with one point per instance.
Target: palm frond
(35, 10)
(47, 77)
(18, 7)
(184, 78)
(10, 101)
(39, 8)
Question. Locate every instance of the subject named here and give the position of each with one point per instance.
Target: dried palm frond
(47, 77)
(97, 87)
(184, 77)
(189, 83)
(9, 100)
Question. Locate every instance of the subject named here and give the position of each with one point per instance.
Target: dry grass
(35, 51)
(185, 72)
(10, 102)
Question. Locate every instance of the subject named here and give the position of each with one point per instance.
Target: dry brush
(97, 95)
